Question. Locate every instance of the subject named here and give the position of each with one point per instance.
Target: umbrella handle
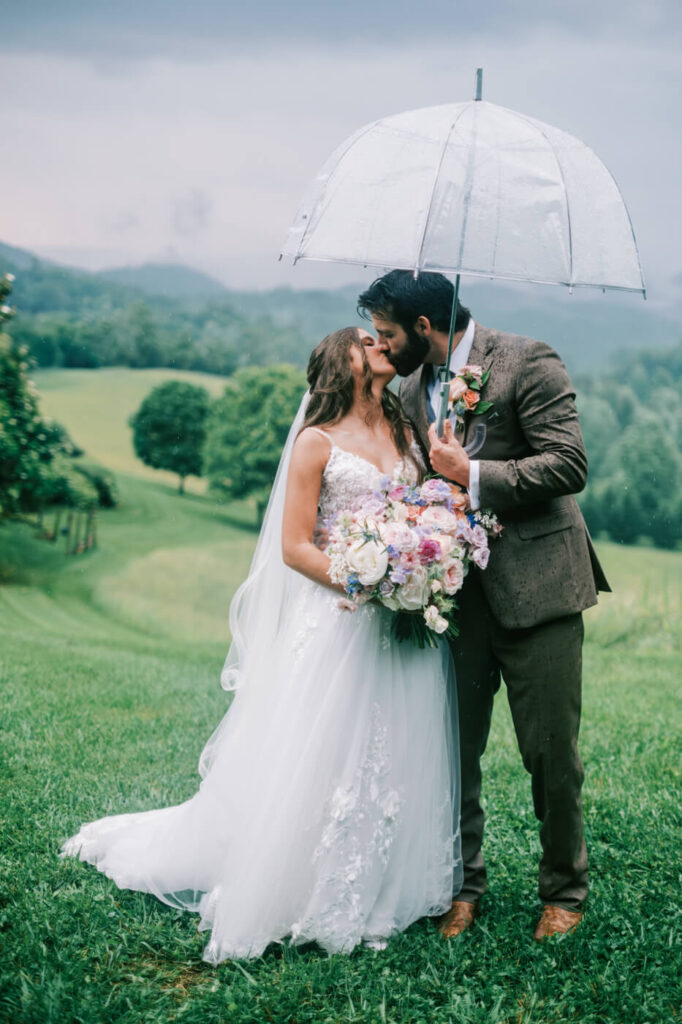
(478, 440)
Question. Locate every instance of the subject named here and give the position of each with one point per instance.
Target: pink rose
(435, 490)
(473, 371)
(480, 557)
(479, 537)
(464, 531)
(399, 536)
(371, 507)
(408, 560)
(438, 518)
(446, 543)
(458, 387)
(453, 577)
(397, 493)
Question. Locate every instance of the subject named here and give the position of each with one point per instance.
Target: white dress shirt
(458, 359)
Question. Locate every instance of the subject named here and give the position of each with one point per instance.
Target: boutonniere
(465, 391)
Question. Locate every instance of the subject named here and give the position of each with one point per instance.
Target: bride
(329, 789)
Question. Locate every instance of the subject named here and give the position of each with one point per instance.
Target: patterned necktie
(456, 421)
(430, 410)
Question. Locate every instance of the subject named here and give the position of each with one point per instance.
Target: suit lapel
(414, 401)
(414, 389)
(482, 354)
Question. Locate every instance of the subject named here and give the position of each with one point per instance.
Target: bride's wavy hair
(332, 388)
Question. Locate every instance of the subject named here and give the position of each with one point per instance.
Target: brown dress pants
(542, 669)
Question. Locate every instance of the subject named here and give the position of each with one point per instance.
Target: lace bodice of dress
(348, 477)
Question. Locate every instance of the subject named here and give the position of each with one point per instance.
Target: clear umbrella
(470, 188)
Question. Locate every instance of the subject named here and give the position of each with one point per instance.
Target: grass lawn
(95, 406)
(109, 666)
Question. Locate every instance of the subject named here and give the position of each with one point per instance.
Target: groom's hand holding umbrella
(447, 456)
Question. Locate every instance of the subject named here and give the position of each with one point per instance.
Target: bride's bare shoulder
(313, 444)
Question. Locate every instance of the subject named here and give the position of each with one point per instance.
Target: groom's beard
(412, 356)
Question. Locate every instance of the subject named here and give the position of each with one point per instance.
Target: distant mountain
(586, 328)
(42, 286)
(167, 280)
(21, 259)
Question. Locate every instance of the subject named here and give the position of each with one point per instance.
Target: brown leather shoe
(459, 917)
(557, 921)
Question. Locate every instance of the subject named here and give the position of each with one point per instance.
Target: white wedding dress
(329, 793)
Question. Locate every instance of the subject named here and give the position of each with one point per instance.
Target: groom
(520, 619)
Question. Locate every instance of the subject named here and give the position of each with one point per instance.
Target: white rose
(368, 559)
(434, 620)
(446, 544)
(412, 595)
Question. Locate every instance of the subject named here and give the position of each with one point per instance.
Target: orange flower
(460, 499)
(471, 399)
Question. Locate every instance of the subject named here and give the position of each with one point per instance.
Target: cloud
(138, 29)
(213, 156)
(191, 213)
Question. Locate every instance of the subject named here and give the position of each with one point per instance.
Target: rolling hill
(587, 328)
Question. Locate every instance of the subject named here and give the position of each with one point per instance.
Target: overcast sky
(148, 129)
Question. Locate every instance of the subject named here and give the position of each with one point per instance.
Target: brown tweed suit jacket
(532, 463)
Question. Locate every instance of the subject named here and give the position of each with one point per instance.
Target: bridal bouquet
(409, 549)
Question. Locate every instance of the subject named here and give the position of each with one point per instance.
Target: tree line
(632, 424)
(71, 319)
(631, 420)
(631, 416)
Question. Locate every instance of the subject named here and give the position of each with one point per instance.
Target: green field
(109, 672)
(95, 406)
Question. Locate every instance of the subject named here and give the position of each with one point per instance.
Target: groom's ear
(423, 326)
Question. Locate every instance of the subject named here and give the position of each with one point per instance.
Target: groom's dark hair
(400, 297)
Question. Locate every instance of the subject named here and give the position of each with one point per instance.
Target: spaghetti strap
(319, 430)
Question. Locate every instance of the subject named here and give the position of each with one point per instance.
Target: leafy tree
(600, 428)
(68, 485)
(639, 495)
(145, 349)
(169, 428)
(247, 428)
(24, 444)
(37, 464)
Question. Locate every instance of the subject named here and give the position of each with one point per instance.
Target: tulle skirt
(329, 803)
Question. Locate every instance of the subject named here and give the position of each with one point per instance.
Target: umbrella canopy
(470, 188)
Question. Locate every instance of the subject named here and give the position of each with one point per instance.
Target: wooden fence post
(69, 524)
